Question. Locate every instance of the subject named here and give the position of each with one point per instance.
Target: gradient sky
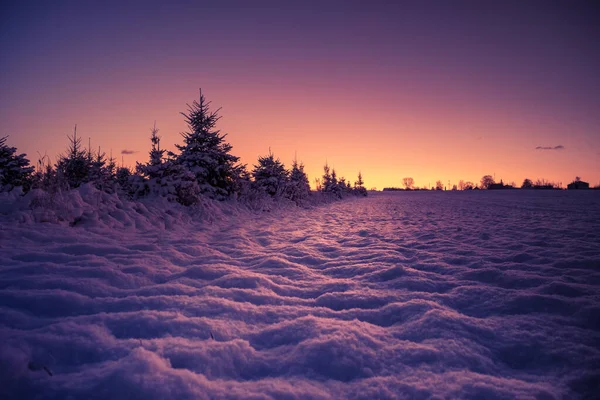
(429, 89)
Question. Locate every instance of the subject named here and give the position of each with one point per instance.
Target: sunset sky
(428, 89)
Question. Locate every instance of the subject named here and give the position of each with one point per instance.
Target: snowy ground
(402, 295)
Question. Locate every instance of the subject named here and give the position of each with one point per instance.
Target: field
(487, 295)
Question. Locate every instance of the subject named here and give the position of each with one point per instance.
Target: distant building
(499, 186)
(577, 184)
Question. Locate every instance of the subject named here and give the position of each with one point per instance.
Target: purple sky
(428, 89)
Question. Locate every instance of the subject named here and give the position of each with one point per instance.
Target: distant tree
(343, 185)
(155, 167)
(487, 181)
(439, 185)
(359, 185)
(74, 165)
(14, 168)
(335, 184)
(542, 183)
(206, 153)
(454, 187)
(577, 179)
(100, 173)
(408, 183)
(45, 177)
(326, 183)
(298, 188)
(527, 184)
(270, 175)
(157, 154)
(469, 185)
(318, 185)
(359, 182)
(122, 176)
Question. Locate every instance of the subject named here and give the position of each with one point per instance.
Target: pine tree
(344, 186)
(359, 187)
(359, 182)
(74, 166)
(335, 185)
(270, 175)
(154, 168)
(101, 171)
(326, 179)
(206, 153)
(298, 185)
(14, 168)
(164, 177)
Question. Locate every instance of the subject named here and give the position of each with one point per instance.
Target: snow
(397, 295)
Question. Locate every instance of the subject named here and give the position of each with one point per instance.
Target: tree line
(487, 182)
(202, 166)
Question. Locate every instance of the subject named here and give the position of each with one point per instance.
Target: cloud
(129, 151)
(559, 147)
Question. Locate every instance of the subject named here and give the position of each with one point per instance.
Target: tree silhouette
(359, 185)
(74, 166)
(298, 186)
(487, 181)
(206, 153)
(270, 175)
(408, 183)
(14, 168)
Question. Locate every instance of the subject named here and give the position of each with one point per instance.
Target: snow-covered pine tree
(206, 153)
(298, 186)
(270, 175)
(164, 177)
(74, 166)
(102, 171)
(335, 185)
(14, 168)
(154, 168)
(345, 186)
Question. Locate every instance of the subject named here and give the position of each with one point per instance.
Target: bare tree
(439, 185)
(487, 181)
(408, 183)
(527, 184)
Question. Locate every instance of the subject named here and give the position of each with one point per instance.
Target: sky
(423, 89)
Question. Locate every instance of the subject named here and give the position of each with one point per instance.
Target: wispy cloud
(129, 151)
(559, 147)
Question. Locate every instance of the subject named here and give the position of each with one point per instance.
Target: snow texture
(412, 295)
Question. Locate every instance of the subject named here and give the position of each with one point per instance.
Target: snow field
(399, 295)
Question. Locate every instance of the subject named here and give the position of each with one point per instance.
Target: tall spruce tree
(206, 153)
(14, 168)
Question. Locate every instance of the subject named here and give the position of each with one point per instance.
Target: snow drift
(401, 295)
